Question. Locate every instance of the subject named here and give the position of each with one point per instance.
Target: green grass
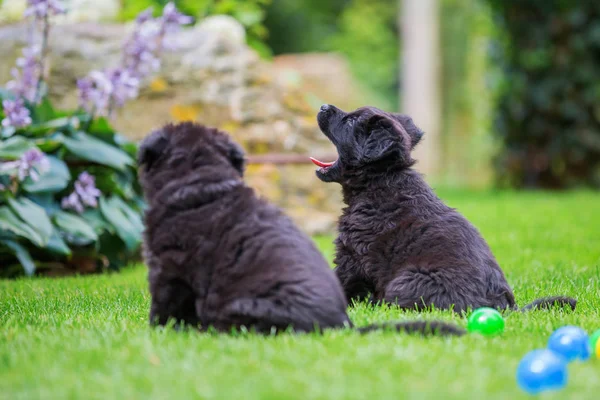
(88, 337)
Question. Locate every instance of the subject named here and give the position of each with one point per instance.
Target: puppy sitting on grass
(221, 257)
(397, 240)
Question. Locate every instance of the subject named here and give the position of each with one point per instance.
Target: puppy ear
(415, 133)
(386, 138)
(237, 158)
(151, 148)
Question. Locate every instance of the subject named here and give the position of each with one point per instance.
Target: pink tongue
(321, 163)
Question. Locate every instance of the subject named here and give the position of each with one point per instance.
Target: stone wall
(214, 78)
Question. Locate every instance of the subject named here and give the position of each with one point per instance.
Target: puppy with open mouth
(398, 242)
(220, 256)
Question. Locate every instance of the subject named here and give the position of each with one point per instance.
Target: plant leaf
(46, 201)
(127, 229)
(97, 221)
(10, 222)
(22, 255)
(76, 229)
(54, 180)
(53, 125)
(57, 245)
(134, 217)
(33, 215)
(43, 112)
(101, 126)
(14, 147)
(89, 148)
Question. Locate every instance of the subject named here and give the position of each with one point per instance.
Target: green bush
(548, 115)
(35, 230)
(69, 194)
(368, 37)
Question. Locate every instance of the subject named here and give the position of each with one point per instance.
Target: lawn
(88, 337)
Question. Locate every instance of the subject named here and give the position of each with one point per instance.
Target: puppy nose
(325, 107)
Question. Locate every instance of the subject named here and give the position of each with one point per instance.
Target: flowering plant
(69, 195)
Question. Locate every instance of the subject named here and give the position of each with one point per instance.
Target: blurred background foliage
(519, 80)
(548, 112)
(364, 31)
(367, 34)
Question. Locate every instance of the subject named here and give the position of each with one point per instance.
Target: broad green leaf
(46, 201)
(48, 144)
(57, 245)
(22, 255)
(101, 126)
(54, 180)
(43, 112)
(89, 148)
(14, 147)
(95, 218)
(10, 222)
(7, 131)
(76, 229)
(33, 215)
(134, 217)
(128, 229)
(52, 125)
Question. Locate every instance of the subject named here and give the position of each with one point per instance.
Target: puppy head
(189, 153)
(367, 139)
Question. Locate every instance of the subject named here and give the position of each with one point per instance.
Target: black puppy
(397, 240)
(220, 256)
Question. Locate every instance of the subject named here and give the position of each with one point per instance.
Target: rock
(212, 77)
(90, 11)
(326, 77)
(79, 10)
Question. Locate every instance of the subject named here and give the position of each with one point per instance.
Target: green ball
(486, 321)
(594, 339)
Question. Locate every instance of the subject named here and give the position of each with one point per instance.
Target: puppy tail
(424, 328)
(550, 302)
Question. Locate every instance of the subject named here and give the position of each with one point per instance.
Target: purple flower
(140, 52)
(85, 88)
(72, 202)
(125, 86)
(95, 92)
(172, 19)
(27, 73)
(15, 114)
(100, 92)
(144, 16)
(85, 194)
(32, 164)
(86, 189)
(40, 9)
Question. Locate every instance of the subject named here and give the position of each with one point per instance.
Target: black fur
(221, 257)
(397, 240)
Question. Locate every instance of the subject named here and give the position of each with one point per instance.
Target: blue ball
(571, 342)
(542, 370)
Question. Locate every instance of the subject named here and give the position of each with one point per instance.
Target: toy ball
(486, 321)
(594, 340)
(542, 370)
(571, 342)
